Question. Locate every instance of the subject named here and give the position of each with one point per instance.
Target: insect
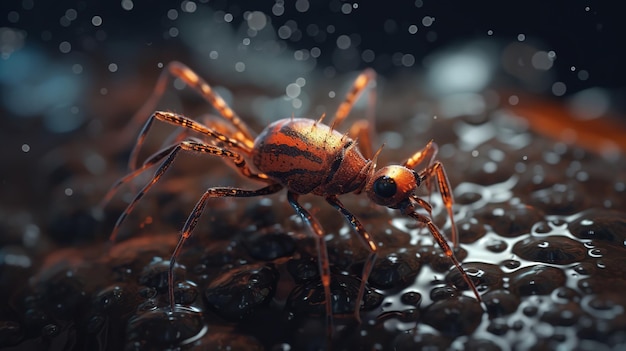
(303, 156)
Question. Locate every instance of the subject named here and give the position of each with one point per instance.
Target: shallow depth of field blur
(526, 102)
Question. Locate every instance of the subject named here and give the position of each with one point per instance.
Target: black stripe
(291, 151)
(337, 161)
(334, 167)
(293, 133)
(292, 172)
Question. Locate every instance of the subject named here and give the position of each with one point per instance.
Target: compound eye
(385, 187)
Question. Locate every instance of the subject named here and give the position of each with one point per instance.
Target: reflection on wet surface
(539, 191)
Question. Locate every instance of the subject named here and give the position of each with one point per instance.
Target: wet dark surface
(549, 266)
(540, 208)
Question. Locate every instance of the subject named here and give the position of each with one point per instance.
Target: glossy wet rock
(438, 261)
(496, 245)
(240, 292)
(566, 314)
(536, 280)
(609, 226)
(470, 230)
(308, 299)
(162, 328)
(116, 299)
(303, 269)
(454, 316)
(154, 275)
(411, 298)
(509, 220)
(501, 302)
(186, 293)
(555, 249)
(269, 244)
(560, 199)
(485, 276)
(395, 270)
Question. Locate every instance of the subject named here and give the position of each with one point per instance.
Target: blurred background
(57, 57)
(73, 73)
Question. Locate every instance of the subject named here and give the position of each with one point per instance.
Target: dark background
(585, 34)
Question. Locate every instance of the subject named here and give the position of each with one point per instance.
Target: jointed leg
(433, 167)
(170, 154)
(151, 161)
(429, 152)
(359, 85)
(361, 131)
(367, 240)
(425, 205)
(185, 122)
(184, 73)
(441, 240)
(322, 253)
(445, 189)
(194, 216)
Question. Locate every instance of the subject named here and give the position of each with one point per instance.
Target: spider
(301, 155)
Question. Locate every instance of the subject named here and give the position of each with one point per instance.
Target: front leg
(435, 169)
(439, 172)
(409, 210)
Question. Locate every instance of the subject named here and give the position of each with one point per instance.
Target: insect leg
(211, 121)
(358, 86)
(194, 216)
(367, 240)
(178, 70)
(322, 252)
(170, 154)
(151, 161)
(445, 189)
(361, 131)
(439, 238)
(429, 152)
(185, 122)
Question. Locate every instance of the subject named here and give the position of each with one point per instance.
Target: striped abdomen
(309, 158)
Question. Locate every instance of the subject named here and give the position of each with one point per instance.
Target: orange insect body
(302, 155)
(309, 157)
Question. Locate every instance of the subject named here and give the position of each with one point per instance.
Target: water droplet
(257, 20)
(302, 5)
(96, 21)
(65, 47)
(127, 5)
(343, 42)
(292, 90)
(428, 21)
(172, 14)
